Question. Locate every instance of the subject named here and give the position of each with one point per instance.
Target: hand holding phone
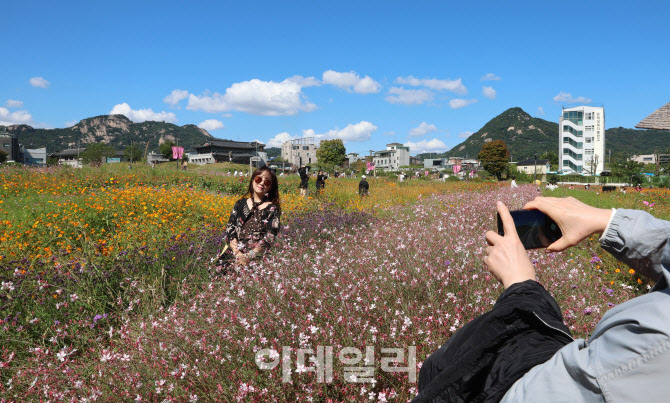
(535, 228)
(506, 258)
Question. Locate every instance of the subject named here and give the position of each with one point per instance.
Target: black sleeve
(233, 221)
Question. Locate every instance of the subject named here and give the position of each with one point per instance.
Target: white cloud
(455, 86)
(490, 77)
(461, 103)
(351, 81)
(280, 139)
(567, 98)
(175, 96)
(408, 97)
(359, 132)
(423, 146)
(265, 98)
(39, 82)
(304, 81)
(142, 115)
(13, 103)
(211, 124)
(540, 111)
(465, 134)
(8, 118)
(489, 92)
(423, 129)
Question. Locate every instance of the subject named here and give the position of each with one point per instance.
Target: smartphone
(535, 229)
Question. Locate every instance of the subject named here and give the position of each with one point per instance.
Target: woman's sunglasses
(267, 182)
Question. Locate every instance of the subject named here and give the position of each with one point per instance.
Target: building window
(6, 145)
(569, 129)
(588, 140)
(575, 117)
(589, 116)
(588, 128)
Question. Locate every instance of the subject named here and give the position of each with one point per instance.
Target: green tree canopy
(166, 149)
(331, 152)
(494, 156)
(552, 157)
(97, 152)
(630, 170)
(3, 156)
(133, 153)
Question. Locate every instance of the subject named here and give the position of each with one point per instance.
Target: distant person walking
(363, 187)
(184, 165)
(304, 180)
(321, 181)
(514, 185)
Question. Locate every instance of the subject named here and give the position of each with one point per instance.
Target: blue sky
(422, 73)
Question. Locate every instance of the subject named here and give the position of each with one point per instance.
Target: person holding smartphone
(522, 351)
(255, 220)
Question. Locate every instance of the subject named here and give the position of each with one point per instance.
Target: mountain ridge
(526, 136)
(115, 130)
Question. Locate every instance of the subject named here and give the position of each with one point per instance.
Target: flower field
(106, 293)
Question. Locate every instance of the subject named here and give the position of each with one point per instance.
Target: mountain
(115, 130)
(523, 134)
(526, 136)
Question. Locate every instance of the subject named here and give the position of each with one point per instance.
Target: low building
(69, 157)
(354, 157)
(10, 144)
(533, 167)
(238, 152)
(651, 158)
(435, 163)
(35, 156)
(395, 156)
(299, 151)
(156, 158)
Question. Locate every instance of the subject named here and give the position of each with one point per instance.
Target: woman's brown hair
(273, 194)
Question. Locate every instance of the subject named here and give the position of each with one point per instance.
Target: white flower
(7, 286)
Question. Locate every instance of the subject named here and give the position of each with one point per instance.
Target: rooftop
(658, 120)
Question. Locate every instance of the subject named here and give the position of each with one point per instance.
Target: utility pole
(534, 168)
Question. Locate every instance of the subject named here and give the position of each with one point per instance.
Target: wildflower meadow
(107, 292)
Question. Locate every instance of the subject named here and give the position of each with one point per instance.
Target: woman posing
(255, 219)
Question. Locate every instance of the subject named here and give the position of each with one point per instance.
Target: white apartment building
(581, 143)
(299, 151)
(395, 156)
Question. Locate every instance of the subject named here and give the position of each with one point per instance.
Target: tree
(96, 152)
(592, 164)
(630, 170)
(553, 159)
(133, 153)
(493, 157)
(331, 152)
(166, 149)
(3, 156)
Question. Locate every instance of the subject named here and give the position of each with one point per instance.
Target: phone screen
(535, 229)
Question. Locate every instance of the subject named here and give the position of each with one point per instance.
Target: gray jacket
(627, 358)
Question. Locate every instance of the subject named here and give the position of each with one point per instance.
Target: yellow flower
(631, 271)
